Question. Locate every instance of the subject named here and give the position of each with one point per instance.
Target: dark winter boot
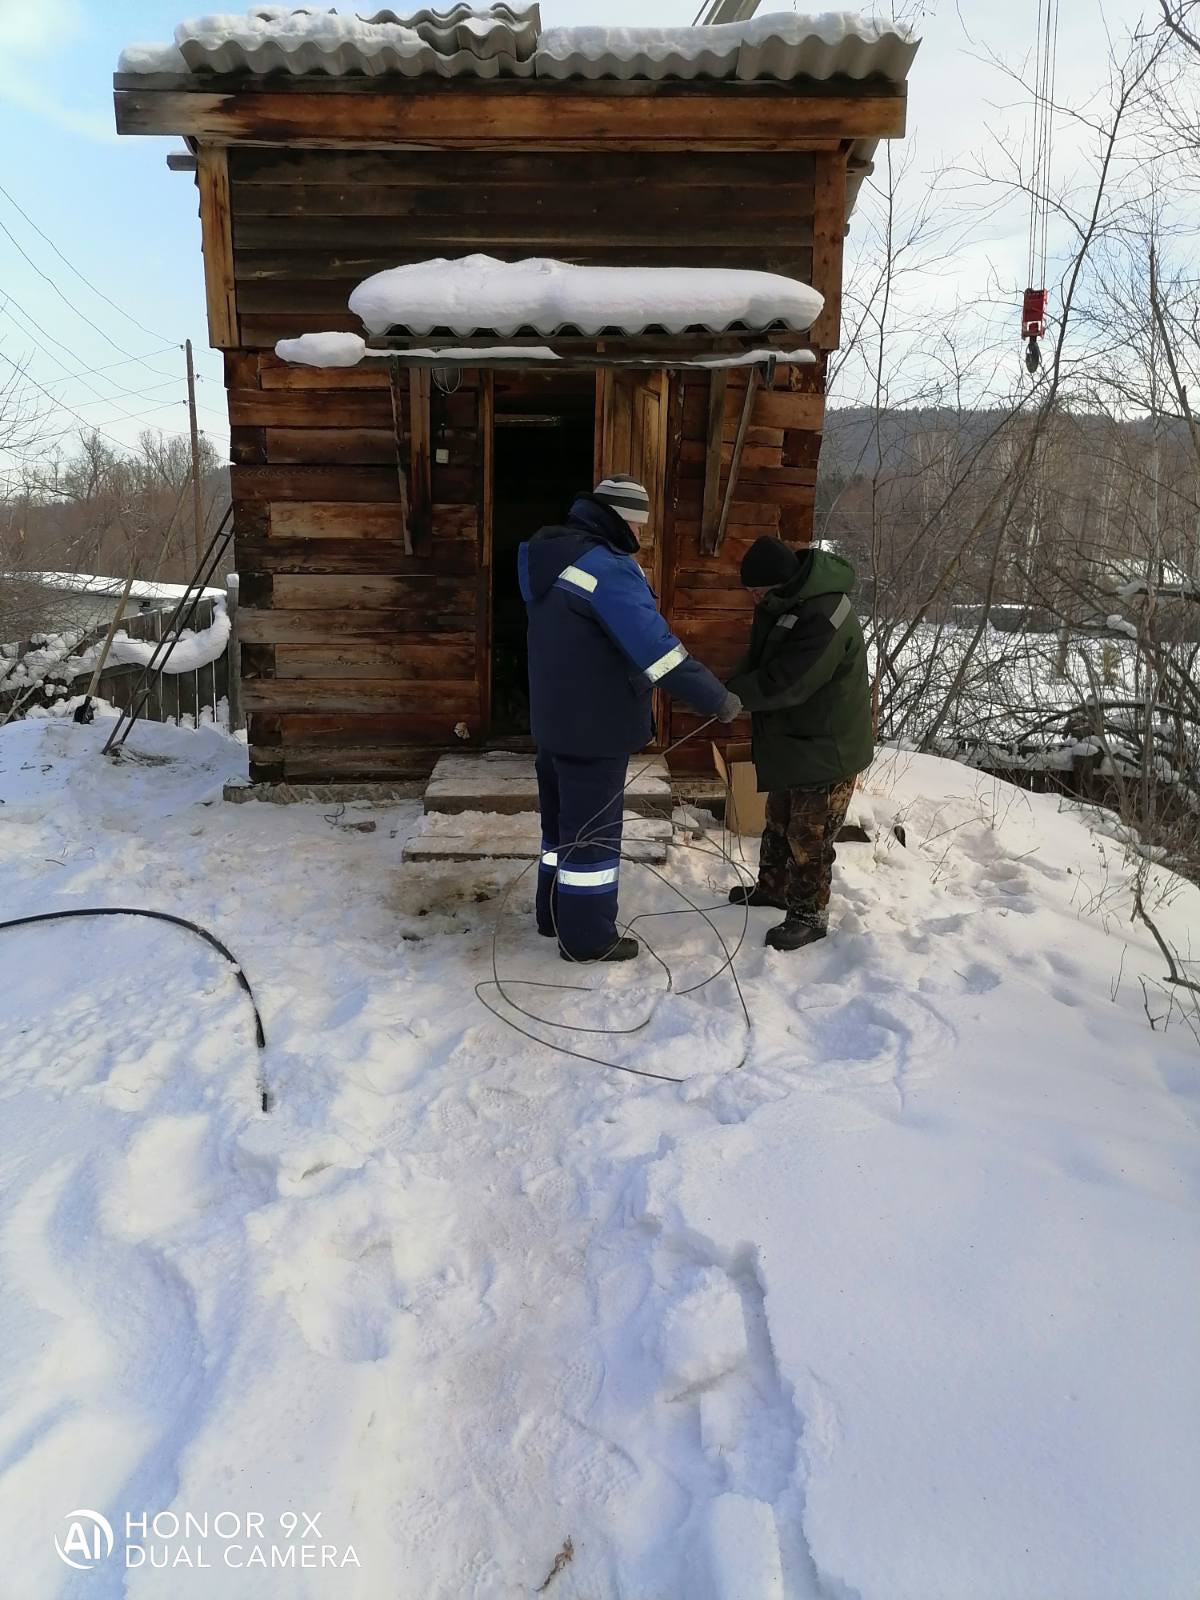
(741, 896)
(624, 949)
(797, 930)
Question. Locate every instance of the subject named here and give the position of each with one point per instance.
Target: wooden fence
(174, 696)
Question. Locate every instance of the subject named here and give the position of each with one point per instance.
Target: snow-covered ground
(904, 1308)
(1018, 701)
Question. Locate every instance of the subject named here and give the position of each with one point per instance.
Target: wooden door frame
(487, 500)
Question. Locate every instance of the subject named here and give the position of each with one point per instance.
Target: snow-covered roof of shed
(507, 40)
(780, 47)
(479, 295)
(461, 41)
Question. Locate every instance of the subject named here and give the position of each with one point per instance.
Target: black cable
(180, 922)
(583, 838)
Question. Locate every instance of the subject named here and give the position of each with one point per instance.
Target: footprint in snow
(979, 978)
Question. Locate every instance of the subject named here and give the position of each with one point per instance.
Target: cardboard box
(745, 808)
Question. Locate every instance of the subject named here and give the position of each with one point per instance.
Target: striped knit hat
(626, 496)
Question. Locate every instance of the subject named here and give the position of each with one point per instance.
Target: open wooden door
(631, 437)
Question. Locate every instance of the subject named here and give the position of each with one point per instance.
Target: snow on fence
(49, 670)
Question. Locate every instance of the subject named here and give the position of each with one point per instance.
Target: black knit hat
(768, 563)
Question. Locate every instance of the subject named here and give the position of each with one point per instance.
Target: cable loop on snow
(586, 837)
(260, 1037)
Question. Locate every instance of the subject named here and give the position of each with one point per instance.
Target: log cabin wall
(360, 659)
(774, 494)
(308, 225)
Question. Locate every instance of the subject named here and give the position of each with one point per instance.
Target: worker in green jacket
(804, 680)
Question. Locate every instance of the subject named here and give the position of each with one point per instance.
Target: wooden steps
(505, 784)
(517, 836)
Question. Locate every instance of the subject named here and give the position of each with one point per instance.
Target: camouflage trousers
(796, 854)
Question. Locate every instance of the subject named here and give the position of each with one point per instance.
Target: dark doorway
(542, 455)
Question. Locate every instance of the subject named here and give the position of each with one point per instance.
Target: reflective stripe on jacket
(598, 645)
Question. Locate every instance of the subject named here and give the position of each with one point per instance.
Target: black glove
(731, 707)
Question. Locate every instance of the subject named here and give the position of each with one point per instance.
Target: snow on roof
(506, 40)
(348, 349)
(478, 294)
(782, 47)
(463, 40)
(90, 583)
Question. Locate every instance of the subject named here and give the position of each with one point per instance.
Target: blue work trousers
(582, 803)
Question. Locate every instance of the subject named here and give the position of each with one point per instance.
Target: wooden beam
(216, 230)
(718, 384)
(420, 469)
(401, 476)
(487, 499)
(735, 462)
(532, 119)
(829, 232)
(256, 166)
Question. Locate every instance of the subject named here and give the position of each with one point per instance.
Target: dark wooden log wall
(774, 494)
(308, 225)
(359, 659)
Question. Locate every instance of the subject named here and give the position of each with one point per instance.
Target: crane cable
(1033, 311)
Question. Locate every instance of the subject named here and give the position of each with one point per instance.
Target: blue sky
(129, 226)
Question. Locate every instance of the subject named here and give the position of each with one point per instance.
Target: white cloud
(35, 27)
(34, 31)
(20, 91)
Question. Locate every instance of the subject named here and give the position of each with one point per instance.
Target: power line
(70, 304)
(80, 377)
(106, 399)
(10, 300)
(90, 426)
(84, 280)
(83, 375)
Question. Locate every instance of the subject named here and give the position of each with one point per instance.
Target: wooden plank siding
(361, 654)
(307, 228)
(516, 116)
(354, 650)
(775, 494)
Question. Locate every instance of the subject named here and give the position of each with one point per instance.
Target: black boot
(741, 896)
(795, 931)
(623, 949)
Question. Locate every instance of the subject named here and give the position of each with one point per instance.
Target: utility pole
(197, 513)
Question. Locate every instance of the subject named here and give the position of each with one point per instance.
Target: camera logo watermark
(89, 1540)
(230, 1539)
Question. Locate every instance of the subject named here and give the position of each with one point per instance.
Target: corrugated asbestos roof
(506, 40)
(778, 48)
(463, 41)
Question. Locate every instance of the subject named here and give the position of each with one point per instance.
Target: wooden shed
(378, 505)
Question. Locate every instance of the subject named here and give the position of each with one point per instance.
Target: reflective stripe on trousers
(581, 804)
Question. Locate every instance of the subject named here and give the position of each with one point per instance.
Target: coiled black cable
(180, 922)
(587, 836)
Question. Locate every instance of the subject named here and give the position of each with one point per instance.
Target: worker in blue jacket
(598, 649)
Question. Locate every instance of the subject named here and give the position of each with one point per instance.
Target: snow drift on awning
(348, 349)
(479, 295)
(506, 40)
